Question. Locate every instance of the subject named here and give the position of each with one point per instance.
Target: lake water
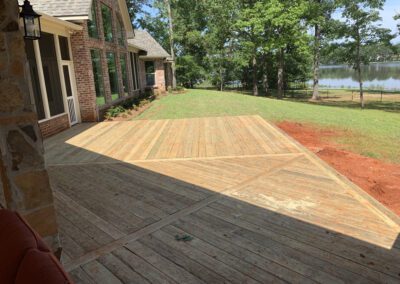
(376, 76)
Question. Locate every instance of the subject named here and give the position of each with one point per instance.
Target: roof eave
(61, 22)
(73, 18)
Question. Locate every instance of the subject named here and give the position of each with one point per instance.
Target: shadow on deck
(120, 223)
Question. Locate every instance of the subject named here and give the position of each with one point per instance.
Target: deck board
(259, 206)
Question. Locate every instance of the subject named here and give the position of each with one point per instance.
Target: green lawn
(375, 133)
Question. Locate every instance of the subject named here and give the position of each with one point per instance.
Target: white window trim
(53, 117)
(60, 74)
(42, 82)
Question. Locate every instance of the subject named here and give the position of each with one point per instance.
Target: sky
(391, 8)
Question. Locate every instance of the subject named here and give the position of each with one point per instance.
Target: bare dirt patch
(379, 179)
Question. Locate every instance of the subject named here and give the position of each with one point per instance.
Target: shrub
(114, 111)
(143, 102)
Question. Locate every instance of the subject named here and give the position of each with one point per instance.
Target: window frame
(99, 77)
(124, 74)
(152, 74)
(103, 16)
(116, 75)
(120, 31)
(94, 21)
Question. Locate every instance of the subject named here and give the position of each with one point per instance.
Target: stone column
(24, 178)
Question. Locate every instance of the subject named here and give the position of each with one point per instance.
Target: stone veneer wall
(24, 179)
(81, 45)
(54, 125)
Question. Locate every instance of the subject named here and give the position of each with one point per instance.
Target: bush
(114, 111)
(126, 107)
(143, 102)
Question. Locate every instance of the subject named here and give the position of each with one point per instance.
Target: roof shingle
(62, 8)
(143, 40)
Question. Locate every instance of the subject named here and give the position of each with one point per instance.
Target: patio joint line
(93, 255)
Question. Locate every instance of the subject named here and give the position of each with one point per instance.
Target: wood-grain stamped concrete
(259, 207)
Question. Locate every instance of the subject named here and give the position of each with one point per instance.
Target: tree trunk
(221, 77)
(359, 72)
(171, 42)
(255, 81)
(361, 86)
(317, 48)
(265, 78)
(280, 73)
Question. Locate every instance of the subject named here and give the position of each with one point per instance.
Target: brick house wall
(160, 84)
(54, 125)
(84, 75)
(82, 44)
(160, 76)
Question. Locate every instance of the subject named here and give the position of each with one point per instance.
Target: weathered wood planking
(261, 208)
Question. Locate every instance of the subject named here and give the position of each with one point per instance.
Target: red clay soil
(380, 179)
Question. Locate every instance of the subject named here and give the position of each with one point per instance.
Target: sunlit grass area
(373, 133)
(102, 101)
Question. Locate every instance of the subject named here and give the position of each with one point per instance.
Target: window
(92, 24)
(135, 73)
(124, 74)
(120, 32)
(64, 47)
(107, 22)
(137, 70)
(98, 77)
(150, 73)
(113, 75)
(51, 74)
(37, 93)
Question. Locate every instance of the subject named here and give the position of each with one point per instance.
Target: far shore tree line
(266, 44)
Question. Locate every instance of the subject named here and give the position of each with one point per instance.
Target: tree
(171, 42)
(360, 30)
(135, 7)
(188, 71)
(251, 28)
(285, 31)
(320, 18)
(219, 39)
(397, 17)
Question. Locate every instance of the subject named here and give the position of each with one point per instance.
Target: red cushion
(40, 267)
(24, 255)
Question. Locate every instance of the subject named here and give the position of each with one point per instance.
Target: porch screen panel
(51, 74)
(37, 93)
(64, 48)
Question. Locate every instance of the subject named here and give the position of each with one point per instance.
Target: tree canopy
(265, 44)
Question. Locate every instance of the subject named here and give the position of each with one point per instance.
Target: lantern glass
(31, 21)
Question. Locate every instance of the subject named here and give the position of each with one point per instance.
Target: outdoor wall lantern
(31, 21)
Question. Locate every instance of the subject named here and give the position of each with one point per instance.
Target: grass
(102, 100)
(374, 133)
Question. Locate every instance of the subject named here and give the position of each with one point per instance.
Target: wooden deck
(259, 207)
